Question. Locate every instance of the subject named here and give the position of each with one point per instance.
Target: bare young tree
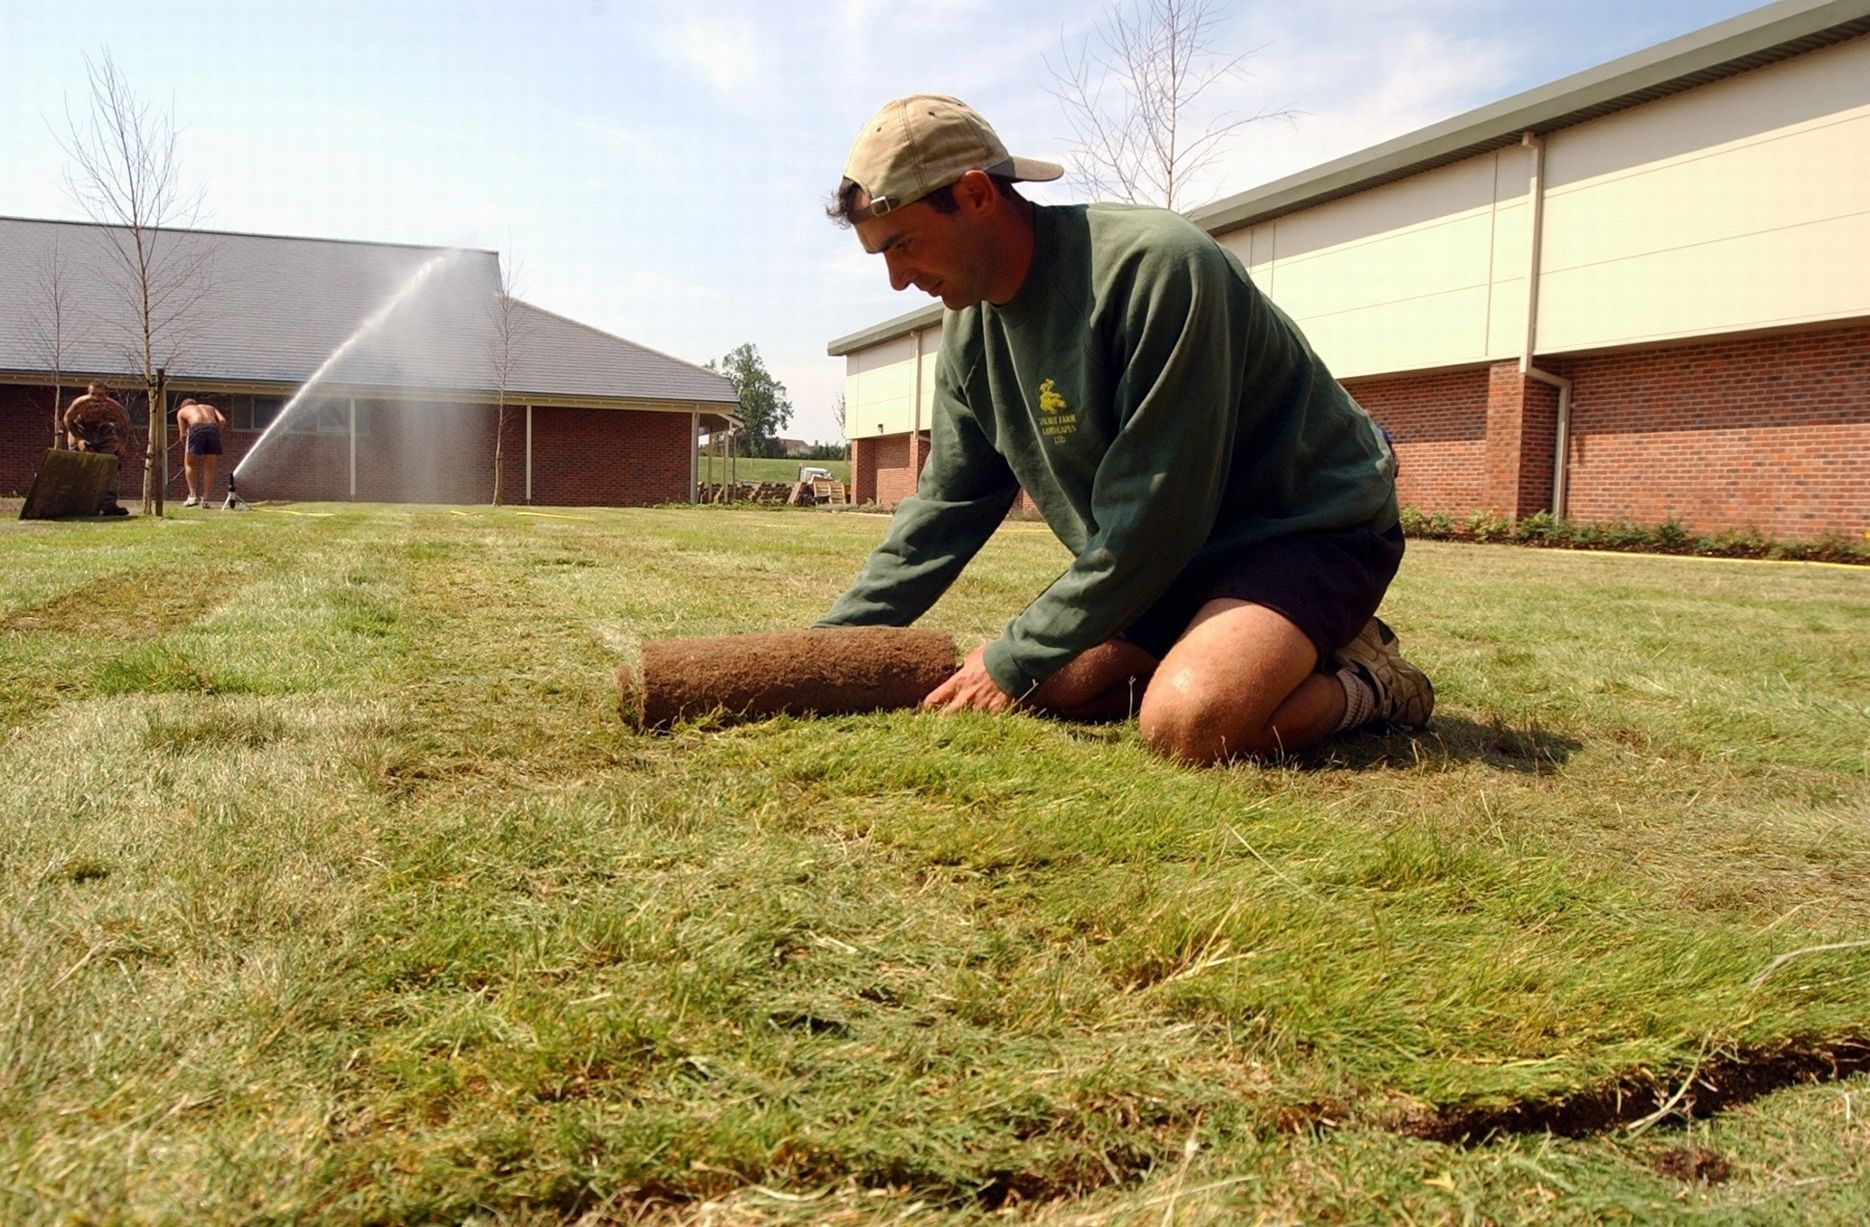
(504, 346)
(124, 174)
(50, 331)
(1133, 103)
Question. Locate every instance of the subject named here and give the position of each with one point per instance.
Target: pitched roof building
(404, 355)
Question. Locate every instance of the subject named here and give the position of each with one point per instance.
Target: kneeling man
(1231, 511)
(97, 422)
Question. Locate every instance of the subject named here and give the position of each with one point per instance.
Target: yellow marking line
(550, 515)
(1780, 562)
(307, 515)
(1783, 562)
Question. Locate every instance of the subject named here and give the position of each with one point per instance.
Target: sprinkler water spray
(365, 332)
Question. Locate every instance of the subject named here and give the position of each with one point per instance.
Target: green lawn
(335, 891)
(766, 469)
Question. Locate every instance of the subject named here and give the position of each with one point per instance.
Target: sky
(658, 169)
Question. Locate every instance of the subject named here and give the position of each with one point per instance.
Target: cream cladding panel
(1426, 272)
(1742, 204)
(880, 386)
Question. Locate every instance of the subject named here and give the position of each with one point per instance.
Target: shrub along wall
(1668, 537)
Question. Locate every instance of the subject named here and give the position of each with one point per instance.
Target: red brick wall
(414, 453)
(1522, 431)
(1770, 431)
(885, 468)
(25, 434)
(607, 457)
(863, 471)
(1438, 422)
(899, 466)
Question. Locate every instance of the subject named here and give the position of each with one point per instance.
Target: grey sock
(1360, 699)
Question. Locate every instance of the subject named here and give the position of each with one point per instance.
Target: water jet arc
(374, 324)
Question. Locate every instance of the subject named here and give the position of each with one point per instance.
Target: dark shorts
(1326, 584)
(204, 440)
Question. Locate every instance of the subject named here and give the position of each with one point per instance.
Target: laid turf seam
(1644, 1097)
(136, 604)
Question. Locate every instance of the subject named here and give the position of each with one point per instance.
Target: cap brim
(1027, 170)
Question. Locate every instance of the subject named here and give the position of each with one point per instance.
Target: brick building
(1636, 292)
(399, 350)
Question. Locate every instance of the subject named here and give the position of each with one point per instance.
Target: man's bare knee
(1202, 730)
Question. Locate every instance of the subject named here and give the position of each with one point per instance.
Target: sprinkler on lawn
(234, 502)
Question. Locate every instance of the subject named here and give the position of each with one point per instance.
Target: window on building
(253, 413)
(321, 417)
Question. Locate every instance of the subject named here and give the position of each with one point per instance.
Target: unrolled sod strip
(827, 672)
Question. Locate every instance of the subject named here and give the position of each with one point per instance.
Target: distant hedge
(1669, 537)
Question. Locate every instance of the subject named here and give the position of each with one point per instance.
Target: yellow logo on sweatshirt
(1054, 419)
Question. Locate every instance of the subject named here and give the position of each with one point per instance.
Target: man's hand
(970, 689)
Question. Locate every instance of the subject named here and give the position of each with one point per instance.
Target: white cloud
(726, 48)
(1391, 75)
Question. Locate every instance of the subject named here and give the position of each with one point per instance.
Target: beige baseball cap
(919, 144)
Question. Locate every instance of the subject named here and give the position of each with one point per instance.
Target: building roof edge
(1751, 40)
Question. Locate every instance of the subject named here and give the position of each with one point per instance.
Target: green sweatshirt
(1159, 411)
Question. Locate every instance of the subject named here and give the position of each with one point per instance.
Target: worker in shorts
(1230, 509)
(96, 422)
(200, 424)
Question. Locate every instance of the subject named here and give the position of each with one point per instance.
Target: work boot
(1404, 695)
(115, 509)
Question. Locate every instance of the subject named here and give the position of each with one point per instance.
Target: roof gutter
(726, 409)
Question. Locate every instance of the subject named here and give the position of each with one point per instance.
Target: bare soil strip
(1712, 1086)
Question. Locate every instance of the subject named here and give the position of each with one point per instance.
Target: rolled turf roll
(828, 671)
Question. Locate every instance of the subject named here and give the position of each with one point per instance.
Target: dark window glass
(261, 410)
(249, 413)
(324, 417)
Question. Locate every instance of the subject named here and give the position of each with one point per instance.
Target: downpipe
(1561, 443)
